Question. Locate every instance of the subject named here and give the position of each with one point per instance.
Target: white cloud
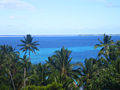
(15, 4)
(113, 5)
(108, 3)
(12, 17)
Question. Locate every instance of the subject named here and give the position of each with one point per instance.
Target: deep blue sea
(82, 47)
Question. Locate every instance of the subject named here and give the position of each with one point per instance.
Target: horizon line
(61, 35)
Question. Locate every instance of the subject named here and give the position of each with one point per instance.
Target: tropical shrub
(53, 86)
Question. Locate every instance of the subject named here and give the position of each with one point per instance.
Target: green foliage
(104, 45)
(64, 72)
(4, 87)
(103, 73)
(53, 86)
(58, 73)
(40, 74)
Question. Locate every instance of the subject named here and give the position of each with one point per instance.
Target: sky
(59, 17)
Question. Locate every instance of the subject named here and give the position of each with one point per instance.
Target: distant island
(98, 34)
(59, 35)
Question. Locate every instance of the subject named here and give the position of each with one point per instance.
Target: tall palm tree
(104, 45)
(61, 63)
(28, 45)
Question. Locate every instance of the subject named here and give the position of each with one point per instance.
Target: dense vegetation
(101, 73)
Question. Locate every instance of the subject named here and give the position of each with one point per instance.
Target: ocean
(82, 47)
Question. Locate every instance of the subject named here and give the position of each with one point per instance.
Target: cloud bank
(108, 3)
(15, 4)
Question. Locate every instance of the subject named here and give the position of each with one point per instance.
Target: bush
(4, 87)
(53, 86)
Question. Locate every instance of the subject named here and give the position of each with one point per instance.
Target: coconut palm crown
(61, 63)
(104, 45)
(28, 44)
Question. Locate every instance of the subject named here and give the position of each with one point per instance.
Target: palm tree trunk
(12, 80)
(29, 55)
(24, 77)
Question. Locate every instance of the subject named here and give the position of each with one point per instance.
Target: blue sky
(59, 17)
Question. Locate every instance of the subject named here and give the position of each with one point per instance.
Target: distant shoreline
(59, 35)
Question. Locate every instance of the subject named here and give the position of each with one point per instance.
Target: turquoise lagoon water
(78, 54)
(82, 47)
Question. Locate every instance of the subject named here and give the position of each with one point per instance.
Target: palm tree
(26, 64)
(110, 75)
(42, 72)
(104, 45)
(60, 63)
(86, 72)
(6, 49)
(39, 74)
(28, 45)
(8, 54)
